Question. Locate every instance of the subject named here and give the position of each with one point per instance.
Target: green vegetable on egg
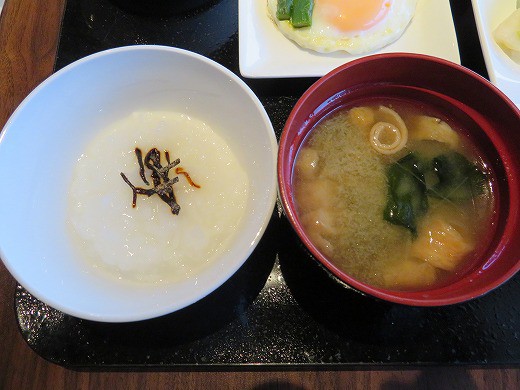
(284, 9)
(302, 13)
(298, 12)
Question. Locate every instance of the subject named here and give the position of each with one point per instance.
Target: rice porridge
(149, 243)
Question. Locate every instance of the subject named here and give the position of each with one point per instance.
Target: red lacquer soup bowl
(491, 121)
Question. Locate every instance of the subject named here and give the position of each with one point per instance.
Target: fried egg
(354, 26)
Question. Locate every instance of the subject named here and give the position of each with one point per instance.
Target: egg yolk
(353, 15)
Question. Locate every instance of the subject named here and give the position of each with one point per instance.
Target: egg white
(324, 38)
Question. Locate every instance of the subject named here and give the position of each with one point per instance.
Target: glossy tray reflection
(281, 309)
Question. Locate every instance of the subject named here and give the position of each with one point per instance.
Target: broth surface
(342, 194)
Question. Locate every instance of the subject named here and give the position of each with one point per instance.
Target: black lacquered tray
(281, 309)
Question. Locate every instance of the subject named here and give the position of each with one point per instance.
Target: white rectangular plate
(503, 72)
(264, 52)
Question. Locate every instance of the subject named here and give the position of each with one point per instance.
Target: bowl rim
(361, 287)
(265, 215)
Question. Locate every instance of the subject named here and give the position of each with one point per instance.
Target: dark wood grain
(29, 31)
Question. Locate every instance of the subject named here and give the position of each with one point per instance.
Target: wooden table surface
(29, 31)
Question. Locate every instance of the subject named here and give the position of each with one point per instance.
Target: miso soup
(394, 195)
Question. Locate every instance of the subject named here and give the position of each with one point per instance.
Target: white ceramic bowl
(42, 139)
